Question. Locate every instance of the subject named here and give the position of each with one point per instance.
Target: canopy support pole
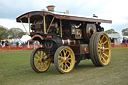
(29, 25)
(24, 26)
(50, 24)
(60, 27)
(44, 25)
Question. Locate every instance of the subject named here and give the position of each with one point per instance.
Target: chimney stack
(95, 16)
(50, 8)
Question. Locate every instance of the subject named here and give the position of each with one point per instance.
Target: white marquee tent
(25, 38)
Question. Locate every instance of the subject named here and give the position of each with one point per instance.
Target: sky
(115, 10)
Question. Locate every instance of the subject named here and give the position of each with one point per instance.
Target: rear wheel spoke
(106, 48)
(105, 41)
(105, 55)
(103, 59)
(102, 38)
(69, 58)
(69, 62)
(64, 52)
(60, 64)
(65, 66)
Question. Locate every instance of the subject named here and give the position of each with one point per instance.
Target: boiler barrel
(70, 42)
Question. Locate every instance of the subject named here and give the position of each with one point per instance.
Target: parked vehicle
(67, 39)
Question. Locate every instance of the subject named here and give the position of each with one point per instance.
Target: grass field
(15, 70)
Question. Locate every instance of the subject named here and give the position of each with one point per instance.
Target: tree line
(112, 31)
(17, 33)
(13, 33)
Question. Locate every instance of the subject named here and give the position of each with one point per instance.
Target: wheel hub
(102, 48)
(40, 60)
(65, 59)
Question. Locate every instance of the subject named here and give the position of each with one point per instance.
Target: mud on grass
(15, 70)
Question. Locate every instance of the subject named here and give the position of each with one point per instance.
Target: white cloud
(10, 23)
(115, 10)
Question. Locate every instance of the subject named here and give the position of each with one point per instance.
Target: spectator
(126, 43)
(23, 44)
(17, 43)
(35, 43)
(0, 46)
(6, 44)
(2, 43)
(123, 41)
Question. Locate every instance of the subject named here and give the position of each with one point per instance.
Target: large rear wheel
(39, 60)
(100, 47)
(64, 59)
(91, 49)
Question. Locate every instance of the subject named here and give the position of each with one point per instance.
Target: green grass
(15, 69)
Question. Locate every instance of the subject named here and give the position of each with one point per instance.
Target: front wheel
(39, 60)
(64, 59)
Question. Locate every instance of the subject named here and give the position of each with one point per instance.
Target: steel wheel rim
(104, 49)
(41, 60)
(66, 60)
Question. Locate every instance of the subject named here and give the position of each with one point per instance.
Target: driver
(99, 28)
(55, 29)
